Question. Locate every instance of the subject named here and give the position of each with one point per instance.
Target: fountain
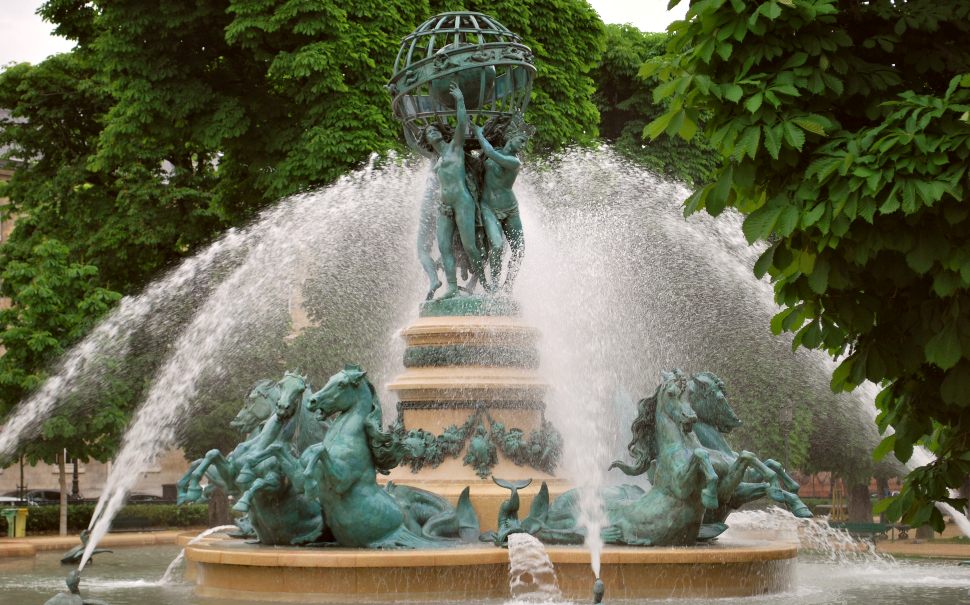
(480, 412)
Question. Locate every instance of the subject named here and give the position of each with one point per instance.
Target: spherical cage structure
(488, 62)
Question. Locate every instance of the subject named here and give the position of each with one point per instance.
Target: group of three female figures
(471, 193)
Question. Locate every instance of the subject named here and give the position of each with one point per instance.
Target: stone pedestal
(480, 372)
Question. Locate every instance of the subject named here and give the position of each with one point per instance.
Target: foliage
(625, 103)
(45, 519)
(170, 122)
(763, 433)
(56, 303)
(846, 128)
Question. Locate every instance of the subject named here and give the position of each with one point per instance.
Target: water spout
(531, 573)
(169, 576)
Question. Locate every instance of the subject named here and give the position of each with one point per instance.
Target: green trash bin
(10, 514)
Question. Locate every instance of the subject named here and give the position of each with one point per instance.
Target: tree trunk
(218, 508)
(62, 477)
(882, 489)
(859, 504)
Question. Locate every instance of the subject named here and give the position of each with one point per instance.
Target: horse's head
(709, 401)
(340, 393)
(672, 400)
(258, 407)
(291, 389)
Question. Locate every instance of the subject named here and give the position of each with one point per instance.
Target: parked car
(140, 498)
(38, 497)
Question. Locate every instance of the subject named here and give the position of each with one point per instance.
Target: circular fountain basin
(234, 569)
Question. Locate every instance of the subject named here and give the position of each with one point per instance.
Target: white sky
(24, 37)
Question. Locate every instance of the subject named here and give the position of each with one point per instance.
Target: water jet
(491, 385)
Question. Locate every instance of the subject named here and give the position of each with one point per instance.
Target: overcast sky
(24, 37)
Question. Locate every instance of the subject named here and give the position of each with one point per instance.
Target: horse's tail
(386, 451)
(633, 471)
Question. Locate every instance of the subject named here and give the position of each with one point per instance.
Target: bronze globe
(488, 62)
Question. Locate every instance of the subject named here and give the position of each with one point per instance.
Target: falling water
(619, 283)
(531, 573)
(343, 232)
(813, 535)
(169, 576)
(89, 361)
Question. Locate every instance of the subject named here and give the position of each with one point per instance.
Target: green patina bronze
(715, 419)
(75, 554)
(508, 513)
(471, 355)
(541, 449)
(460, 86)
(672, 512)
(476, 305)
(341, 471)
(254, 472)
(73, 596)
(697, 479)
(308, 473)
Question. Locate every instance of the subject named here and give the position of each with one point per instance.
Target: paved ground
(936, 548)
(31, 545)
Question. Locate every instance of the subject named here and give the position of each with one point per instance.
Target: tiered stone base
(233, 569)
(456, 366)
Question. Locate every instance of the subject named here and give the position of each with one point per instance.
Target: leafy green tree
(57, 302)
(626, 106)
(846, 129)
(168, 123)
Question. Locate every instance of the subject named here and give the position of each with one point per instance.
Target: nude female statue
(500, 209)
(458, 207)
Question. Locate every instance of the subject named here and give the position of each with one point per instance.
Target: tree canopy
(170, 122)
(845, 130)
(626, 105)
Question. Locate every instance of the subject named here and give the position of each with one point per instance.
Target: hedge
(46, 519)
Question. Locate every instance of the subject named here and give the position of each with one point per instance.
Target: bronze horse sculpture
(341, 471)
(715, 419)
(279, 512)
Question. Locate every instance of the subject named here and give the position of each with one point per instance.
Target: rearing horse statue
(279, 512)
(684, 486)
(222, 470)
(716, 418)
(342, 470)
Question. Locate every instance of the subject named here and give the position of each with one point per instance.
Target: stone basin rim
(237, 552)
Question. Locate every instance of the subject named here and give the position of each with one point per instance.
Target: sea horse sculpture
(341, 471)
(279, 512)
(685, 483)
(76, 553)
(715, 419)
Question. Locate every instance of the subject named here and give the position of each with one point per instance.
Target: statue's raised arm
(499, 206)
(458, 207)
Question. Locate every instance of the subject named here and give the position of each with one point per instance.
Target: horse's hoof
(242, 506)
(801, 511)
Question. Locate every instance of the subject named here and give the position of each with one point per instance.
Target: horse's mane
(384, 449)
(643, 447)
